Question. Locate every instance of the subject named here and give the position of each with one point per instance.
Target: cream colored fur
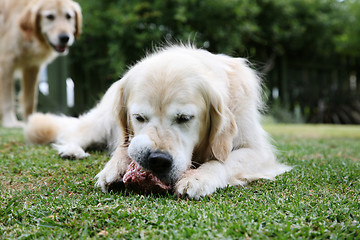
(200, 108)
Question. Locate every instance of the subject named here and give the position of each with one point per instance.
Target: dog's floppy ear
(246, 88)
(222, 127)
(29, 21)
(121, 111)
(78, 17)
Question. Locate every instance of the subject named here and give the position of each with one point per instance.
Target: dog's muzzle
(62, 45)
(64, 38)
(159, 162)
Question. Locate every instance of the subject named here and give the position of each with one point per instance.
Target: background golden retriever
(32, 32)
(196, 111)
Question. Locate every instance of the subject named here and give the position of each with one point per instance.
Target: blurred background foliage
(308, 51)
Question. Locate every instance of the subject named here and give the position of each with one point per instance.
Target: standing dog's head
(173, 111)
(53, 22)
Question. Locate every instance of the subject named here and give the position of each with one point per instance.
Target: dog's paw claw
(191, 189)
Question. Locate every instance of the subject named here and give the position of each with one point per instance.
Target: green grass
(44, 196)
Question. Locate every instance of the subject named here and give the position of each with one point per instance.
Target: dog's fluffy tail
(42, 128)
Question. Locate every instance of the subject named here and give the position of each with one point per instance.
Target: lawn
(44, 196)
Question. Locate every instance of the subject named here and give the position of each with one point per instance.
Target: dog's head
(172, 111)
(53, 22)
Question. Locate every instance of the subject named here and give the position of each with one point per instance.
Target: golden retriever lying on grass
(196, 112)
(32, 33)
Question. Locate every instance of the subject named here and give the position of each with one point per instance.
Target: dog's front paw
(71, 151)
(109, 180)
(195, 184)
(111, 177)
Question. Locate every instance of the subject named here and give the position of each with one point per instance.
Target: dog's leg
(200, 182)
(243, 165)
(80, 133)
(256, 160)
(69, 135)
(7, 95)
(29, 92)
(248, 164)
(110, 178)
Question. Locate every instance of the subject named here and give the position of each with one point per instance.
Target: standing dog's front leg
(29, 92)
(7, 95)
(111, 177)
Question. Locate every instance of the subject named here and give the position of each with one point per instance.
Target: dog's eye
(67, 16)
(140, 118)
(51, 17)
(182, 118)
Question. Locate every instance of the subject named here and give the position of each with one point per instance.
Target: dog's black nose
(159, 162)
(64, 38)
